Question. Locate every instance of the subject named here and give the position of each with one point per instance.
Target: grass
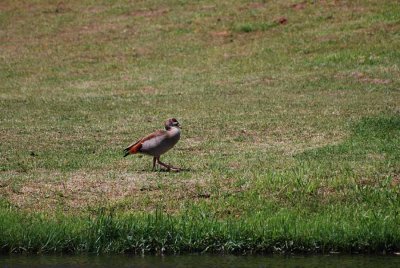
(290, 136)
(285, 231)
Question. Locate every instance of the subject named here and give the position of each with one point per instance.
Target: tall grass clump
(284, 232)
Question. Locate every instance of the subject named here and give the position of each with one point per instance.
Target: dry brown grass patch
(79, 190)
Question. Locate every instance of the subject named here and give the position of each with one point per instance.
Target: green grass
(290, 137)
(282, 232)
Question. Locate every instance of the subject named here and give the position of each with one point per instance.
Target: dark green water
(200, 261)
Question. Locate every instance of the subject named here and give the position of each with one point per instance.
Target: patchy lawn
(290, 110)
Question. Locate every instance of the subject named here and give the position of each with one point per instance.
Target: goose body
(157, 143)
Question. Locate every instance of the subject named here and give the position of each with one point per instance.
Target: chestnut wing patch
(136, 146)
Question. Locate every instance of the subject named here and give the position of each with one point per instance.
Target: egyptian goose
(158, 143)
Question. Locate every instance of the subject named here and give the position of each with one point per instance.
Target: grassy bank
(290, 114)
(287, 231)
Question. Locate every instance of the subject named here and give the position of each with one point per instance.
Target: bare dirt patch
(4, 7)
(299, 6)
(257, 5)
(221, 34)
(95, 9)
(148, 90)
(364, 78)
(361, 77)
(396, 181)
(208, 7)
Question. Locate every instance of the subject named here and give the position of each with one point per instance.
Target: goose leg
(168, 167)
(154, 163)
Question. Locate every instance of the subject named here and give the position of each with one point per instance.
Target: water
(199, 261)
